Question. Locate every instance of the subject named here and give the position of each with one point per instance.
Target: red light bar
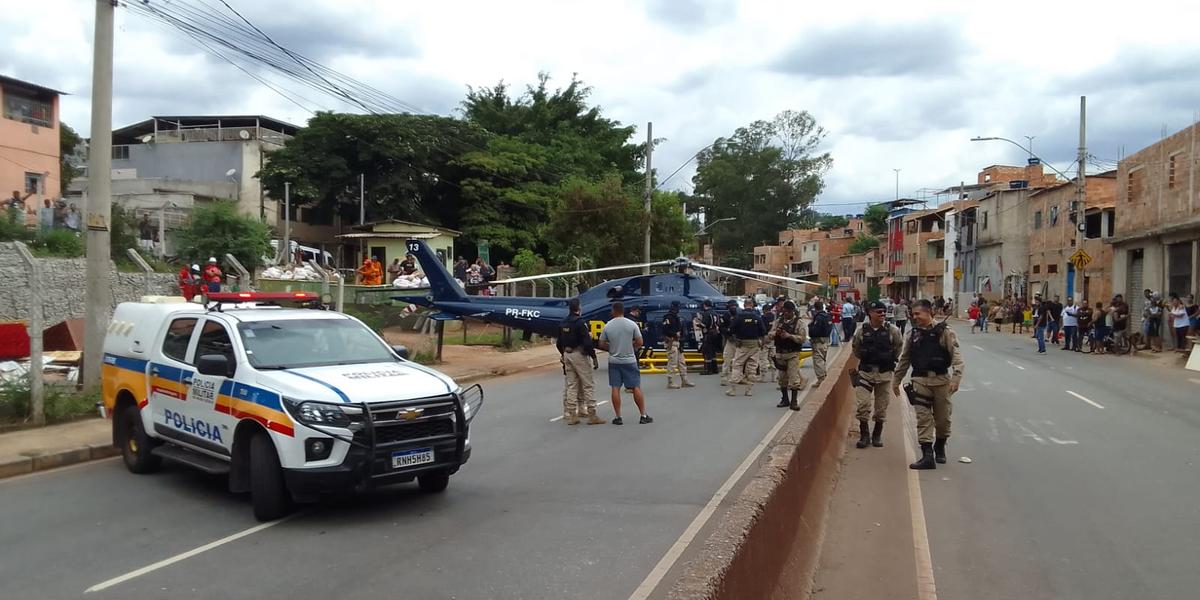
(260, 296)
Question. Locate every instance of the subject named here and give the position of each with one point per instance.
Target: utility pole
(897, 183)
(362, 199)
(98, 209)
(1079, 208)
(649, 191)
(287, 221)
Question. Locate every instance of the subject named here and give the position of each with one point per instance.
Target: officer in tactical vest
(787, 336)
(937, 369)
(708, 333)
(766, 356)
(730, 347)
(672, 332)
(575, 345)
(820, 327)
(878, 345)
(749, 330)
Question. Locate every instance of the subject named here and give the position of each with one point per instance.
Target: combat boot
(864, 435)
(926, 460)
(671, 384)
(731, 390)
(573, 420)
(877, 435)
(795, 405)
(594, 419)
(783, 399)
(939, 451)
(688, 384)
(749, 390)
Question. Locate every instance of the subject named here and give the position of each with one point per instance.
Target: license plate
(411, 458)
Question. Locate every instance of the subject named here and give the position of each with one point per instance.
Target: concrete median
(767, 545)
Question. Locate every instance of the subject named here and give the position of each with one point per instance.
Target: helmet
(195, 267)
(212, 260)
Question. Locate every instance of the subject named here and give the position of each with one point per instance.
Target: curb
(478, 375)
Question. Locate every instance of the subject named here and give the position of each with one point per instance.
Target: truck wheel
(432, 483)
(268, 491)
(135, 444)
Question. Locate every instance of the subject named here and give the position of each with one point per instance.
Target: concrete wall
(63, 286)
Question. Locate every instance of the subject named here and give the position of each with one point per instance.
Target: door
(1070, 280)
(1134, 296)
(210, 419)
(380, 252)
(170, 373)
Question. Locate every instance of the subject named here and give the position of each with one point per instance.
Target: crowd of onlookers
(52, 214)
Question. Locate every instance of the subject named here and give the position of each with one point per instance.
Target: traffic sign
(1080, 259)
(958, 273)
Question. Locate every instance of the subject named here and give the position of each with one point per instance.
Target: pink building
(29, 141)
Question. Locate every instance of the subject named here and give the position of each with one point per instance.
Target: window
(1037, 220)
(1037, 268)
(1051, 268)
(1133, 184)
(179, 333)
(1093, 222)
(33, 183)
(28, 108)
(214, 340)
(1171, 172)
(1179, 268)
(985, 213)
(1053, 216)
(120, 152)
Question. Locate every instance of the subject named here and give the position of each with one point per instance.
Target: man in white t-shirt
(622, 338)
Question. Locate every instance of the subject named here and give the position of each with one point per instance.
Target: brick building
(29, 142)
(1052, 239)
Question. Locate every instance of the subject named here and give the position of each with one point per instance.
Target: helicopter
(652, 294)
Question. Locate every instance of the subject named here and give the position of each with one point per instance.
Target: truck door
(212, 422)
(169, 374)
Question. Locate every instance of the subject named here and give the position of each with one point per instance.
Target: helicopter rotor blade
(752, 274)
(661, 263)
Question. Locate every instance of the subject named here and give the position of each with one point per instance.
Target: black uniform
(672, 327)
(710, 340)
(573, 334)
(749, 326)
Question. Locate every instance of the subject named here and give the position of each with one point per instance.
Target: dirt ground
(464, 357)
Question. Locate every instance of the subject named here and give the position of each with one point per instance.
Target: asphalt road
(1066, 499)
(543, 510)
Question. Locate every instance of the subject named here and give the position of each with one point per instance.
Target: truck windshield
(294, 344)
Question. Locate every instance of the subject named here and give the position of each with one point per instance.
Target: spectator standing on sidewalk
(973, 315)
(1179, 319)
(1193, 311)
(1153, 316)
(1054, 325)
(1070, 325)
(1042, 323)
(900, 315)
(849, 312)
(1084, 315)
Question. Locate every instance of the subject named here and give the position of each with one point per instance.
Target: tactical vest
(747, 326)
(727, 319)
(671, 326)
(784, 346)
(875, 349)
(927, 352)
(821, 326)
(569, 334)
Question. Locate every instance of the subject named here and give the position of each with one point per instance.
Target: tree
(828, 222)
(67, 141)
(766, 175)
(876, 218)
(862, 243)
(602, 224)
(217, 229)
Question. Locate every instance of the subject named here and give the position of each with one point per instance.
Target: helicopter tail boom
(441, 283)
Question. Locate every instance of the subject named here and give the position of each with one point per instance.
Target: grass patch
(61, 404)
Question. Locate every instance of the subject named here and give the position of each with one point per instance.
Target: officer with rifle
(877, 345)
(672, 331)
(749, 330)
(708, 334)
(931, 350)
(575, 345)
(787, 335)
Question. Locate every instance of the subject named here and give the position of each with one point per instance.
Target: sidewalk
(44, 448)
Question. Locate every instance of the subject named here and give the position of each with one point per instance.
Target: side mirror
(401, 351)
(215, 365)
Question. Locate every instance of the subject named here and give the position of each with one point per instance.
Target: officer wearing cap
(749, 330)
(787, 336)
(877, 345)
(709, 335)
(672, 331)
(730, 347)
(575, 345)
(937, 369)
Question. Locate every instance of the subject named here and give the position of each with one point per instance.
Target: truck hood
(367, 382)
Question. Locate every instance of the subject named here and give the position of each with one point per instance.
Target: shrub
(58, 242)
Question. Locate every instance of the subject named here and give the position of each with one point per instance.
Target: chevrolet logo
(409, 414)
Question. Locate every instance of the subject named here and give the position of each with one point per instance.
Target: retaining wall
(768, 543)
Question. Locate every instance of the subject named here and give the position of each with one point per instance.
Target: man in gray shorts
(622, 338)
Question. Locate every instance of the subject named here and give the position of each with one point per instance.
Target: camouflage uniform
(932, 385)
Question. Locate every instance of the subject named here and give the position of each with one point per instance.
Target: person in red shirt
(212, 276)
(973, 314)
(836, 312)
(188, 287)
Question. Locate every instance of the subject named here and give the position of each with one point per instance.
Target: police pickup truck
(289, 402)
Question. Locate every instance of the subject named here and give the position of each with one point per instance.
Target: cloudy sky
(898, 85)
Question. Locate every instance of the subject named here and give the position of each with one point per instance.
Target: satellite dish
(230, 172)
(245, 135)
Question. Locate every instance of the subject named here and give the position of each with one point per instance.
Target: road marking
(1015, 365)
(1096, 404)
(190, 553)
(977, 348)
(1059, 436)
(926, 587)
(1020, 431)
(1194, 380)
(560, 417)
(669, 559)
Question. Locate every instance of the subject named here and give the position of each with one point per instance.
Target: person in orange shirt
(371, 272)
(379, 270)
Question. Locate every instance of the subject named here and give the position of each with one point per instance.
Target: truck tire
(268, 491)
(134, 443)
(432, 483)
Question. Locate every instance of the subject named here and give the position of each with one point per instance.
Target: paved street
(1066, 499)
(543, 510)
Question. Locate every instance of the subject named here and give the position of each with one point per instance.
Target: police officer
(878, 345)
(787, 336)
(730, 347)
(937, 369)
(708, 332)
(749, 330)
(819, 328)
(766, 356)
(672, 331)
(575, 345)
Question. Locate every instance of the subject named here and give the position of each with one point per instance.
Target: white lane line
(1015, 365)
(1096, 404)
(977, 348)
(672, 556)
(190, 553)
(926, 586)
(560, 417)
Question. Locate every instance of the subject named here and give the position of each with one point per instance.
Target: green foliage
(528, 263)
(12, 226)
(876, 218)
(67, 141)
(122, 233)
(862, 243)
(61, 243)
(59, 404)
(217, 228)
(604, 224)
(828, 222)
(766, 175)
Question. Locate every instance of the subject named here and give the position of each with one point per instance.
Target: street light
(707, 225)
(1029, 150)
